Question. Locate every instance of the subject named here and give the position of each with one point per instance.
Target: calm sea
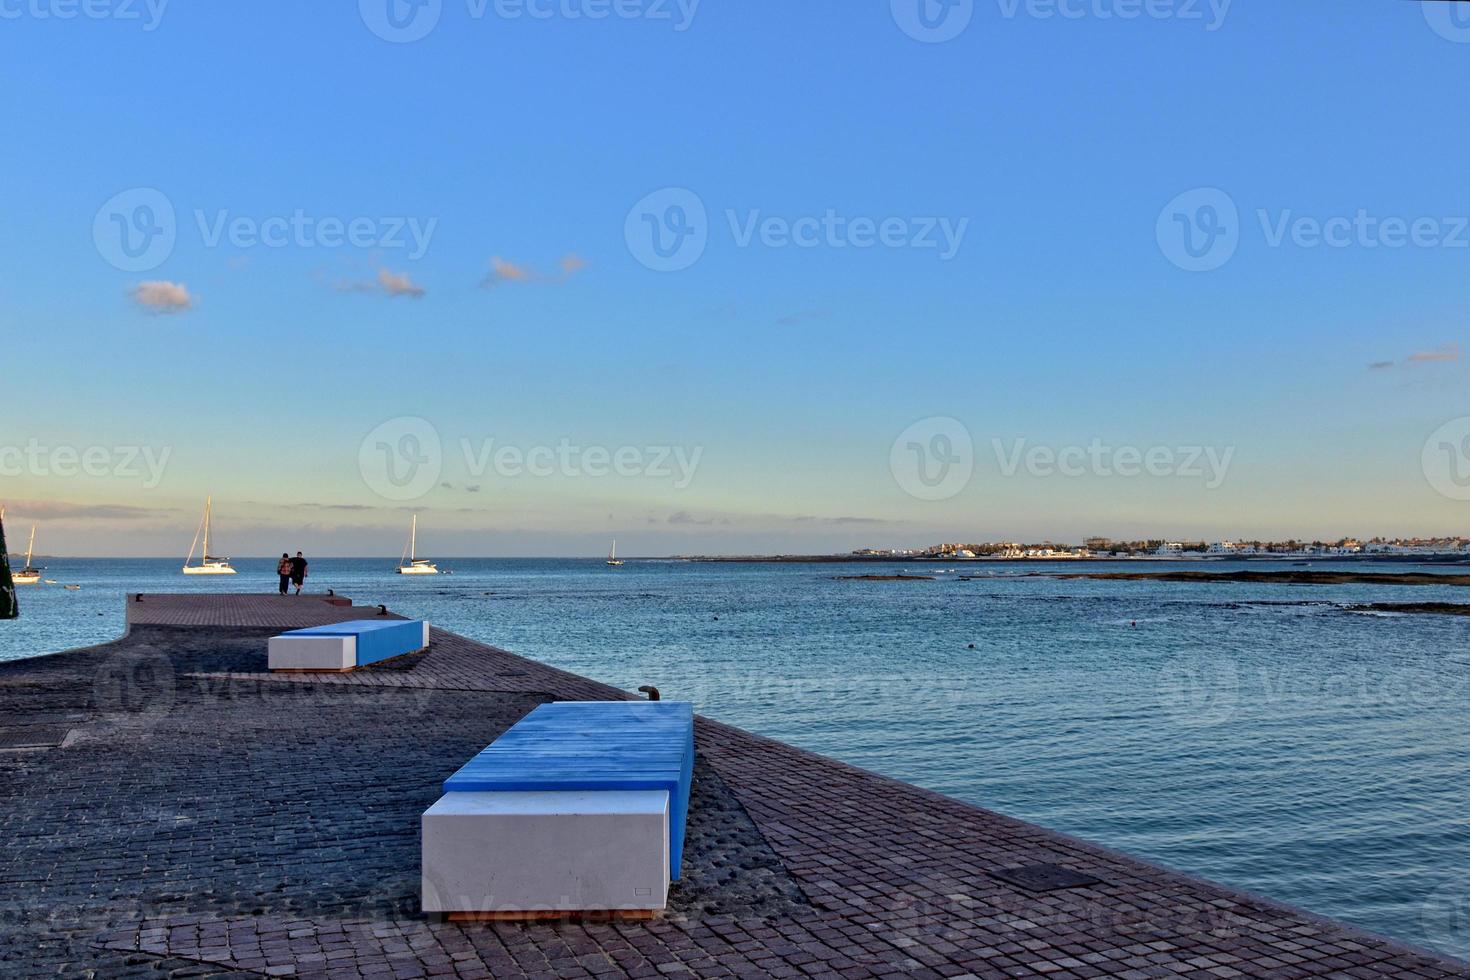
(1258, 735)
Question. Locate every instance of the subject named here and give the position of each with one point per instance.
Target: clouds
(684, 518)
(162, 298)
(504, 271)
(58, 510)
(1443, 354)
(385, 283)
(838, 520)
(418, 507)
(395, 284)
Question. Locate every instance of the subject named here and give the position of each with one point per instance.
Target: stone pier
(171, 809)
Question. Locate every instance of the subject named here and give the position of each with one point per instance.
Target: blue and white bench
(347, 646)
(580, 807)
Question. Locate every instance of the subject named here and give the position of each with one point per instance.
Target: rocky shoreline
(1277, 578)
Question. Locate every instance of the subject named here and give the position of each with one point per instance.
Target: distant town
(1098, 547)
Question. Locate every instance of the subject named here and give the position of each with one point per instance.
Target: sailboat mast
(413, 540)
(208, 506)
(31, 548)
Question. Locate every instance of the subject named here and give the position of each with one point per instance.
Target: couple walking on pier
(292, 572)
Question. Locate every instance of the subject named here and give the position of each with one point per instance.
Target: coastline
(838, 870)
(1273, 578)
(1436, 559)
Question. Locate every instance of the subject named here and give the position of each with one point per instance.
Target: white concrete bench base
(346, 646)
(539, 854)
(312, 653)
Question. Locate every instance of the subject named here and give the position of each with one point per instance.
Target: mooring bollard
(650, 690)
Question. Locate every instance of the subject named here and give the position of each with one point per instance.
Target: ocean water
(1258, 735)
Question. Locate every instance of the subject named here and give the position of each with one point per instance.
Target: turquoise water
(1258, 735)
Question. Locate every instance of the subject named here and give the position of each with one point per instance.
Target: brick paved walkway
(271, 610)
(203, 818)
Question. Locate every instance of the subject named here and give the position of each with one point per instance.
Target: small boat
(612, 556)
(410, 563)
(28, 575)
(208, 565)
(72, 588)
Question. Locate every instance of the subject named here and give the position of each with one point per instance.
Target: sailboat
(612, 556)
(208, 565)
(410, 563)
(28, 575)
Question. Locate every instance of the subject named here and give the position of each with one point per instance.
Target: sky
(731, 278)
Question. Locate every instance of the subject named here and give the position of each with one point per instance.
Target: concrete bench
(580, 807)
(347, 646)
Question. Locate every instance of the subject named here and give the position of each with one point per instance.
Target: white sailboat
(612, 556)
(410, 563)
(28, 575)
(208, 565)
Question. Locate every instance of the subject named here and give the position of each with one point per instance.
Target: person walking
(283, 569)
(298, 572)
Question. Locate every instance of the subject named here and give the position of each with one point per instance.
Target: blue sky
(1051, 148)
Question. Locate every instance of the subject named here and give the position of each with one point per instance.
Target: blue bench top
(594, 745)
(376, 639)
(354, 627)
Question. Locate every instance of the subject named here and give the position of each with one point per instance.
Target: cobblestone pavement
(179, 812)
(277, 612)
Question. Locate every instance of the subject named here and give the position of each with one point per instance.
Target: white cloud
(505, 271)
(396, 284)
(163, 297)
(387, 282)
